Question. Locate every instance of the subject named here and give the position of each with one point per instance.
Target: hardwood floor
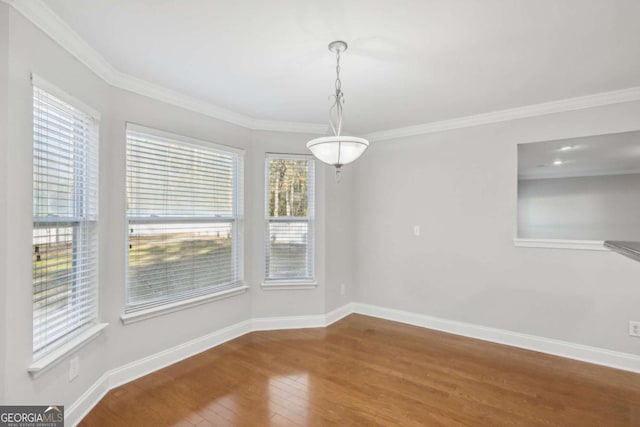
(367, 371)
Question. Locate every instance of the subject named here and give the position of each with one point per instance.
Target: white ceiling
(409, 62)
(610, 154)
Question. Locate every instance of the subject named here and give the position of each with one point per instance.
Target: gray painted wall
(266, 303)
(581, 208)
(340, 238)
(32, 51)
(4, 116)
(460, 187)
(334, 241)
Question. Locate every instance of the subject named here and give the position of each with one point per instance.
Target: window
(65, 218)
(289, 210)
(184, 208)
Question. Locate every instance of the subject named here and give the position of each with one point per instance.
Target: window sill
(279, 286)
(149, 313)
(587, 245)
(51, 359)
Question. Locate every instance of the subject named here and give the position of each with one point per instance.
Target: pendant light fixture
(337, 150)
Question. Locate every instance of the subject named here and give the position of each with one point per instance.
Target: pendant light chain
(339, 101)
(336, 123)
(338, 82)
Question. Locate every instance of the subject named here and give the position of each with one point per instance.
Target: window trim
(82, 337)
(170, 137)
(160, 310)
(38, 81)
(132, 314)
(52, 353)
(292, 283)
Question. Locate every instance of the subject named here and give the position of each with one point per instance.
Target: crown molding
(294, 127)
(169, 96)
(51, 24)
(44, 18)
(561, 106)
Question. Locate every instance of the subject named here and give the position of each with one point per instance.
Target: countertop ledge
(628, 249)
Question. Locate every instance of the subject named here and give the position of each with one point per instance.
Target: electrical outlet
(343, 288)
(634, 328)
(74, 368)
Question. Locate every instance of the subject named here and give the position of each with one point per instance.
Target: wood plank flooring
(363, 371)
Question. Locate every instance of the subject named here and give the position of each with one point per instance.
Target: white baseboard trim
(300, 322)
(124, 374)
(157, 361)
(85, 403)
(288, 322)
(339, 313)
(134, 370)
(598, 356)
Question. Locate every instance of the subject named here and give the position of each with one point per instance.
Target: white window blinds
(65, 215)
(289, 211)
(184, 208)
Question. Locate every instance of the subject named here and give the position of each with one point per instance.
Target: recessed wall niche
(585, 188)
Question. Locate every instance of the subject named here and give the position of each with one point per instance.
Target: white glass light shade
(337, 150)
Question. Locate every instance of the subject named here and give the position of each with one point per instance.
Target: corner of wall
(282, 302)
(459, 186)
(340, 286)
(4, 107)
